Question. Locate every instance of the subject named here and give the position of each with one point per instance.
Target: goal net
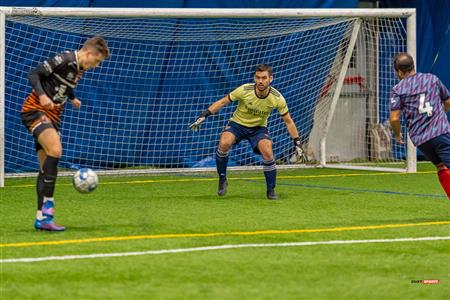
(334, 71)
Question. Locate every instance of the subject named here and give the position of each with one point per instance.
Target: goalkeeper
(249, 121)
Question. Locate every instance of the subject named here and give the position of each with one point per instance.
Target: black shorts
(252, 134)
(36, 122)
(437, 149)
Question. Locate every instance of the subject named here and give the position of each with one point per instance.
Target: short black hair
(403, 62)
(263, 68)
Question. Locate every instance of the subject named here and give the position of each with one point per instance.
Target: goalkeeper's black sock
(50, 169)
(221, 163)
(40, 189)
(270, 172)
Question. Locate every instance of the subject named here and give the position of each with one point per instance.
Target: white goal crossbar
(97, 12)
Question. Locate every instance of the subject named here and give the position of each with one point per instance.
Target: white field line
(221, 247)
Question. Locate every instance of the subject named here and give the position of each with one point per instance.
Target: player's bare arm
(447, 105)
(218, 105)
(395, 124)
(290, 125)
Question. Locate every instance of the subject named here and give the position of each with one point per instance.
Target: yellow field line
(235, 178)
(217, 234)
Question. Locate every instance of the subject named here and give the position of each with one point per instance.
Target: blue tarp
(125, 150)
(433, 34)
(433, 19)
(187, 3)
(214, 71)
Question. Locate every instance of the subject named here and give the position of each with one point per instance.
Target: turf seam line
(220, 234)
(358, 190)
(220, 247)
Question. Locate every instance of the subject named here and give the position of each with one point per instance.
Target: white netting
(164, 72)
(360, 131)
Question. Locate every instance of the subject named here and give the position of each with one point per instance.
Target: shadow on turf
(236, 197)
(233, 196)
(89, 228)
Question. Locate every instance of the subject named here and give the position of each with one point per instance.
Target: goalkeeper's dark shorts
(251, 134)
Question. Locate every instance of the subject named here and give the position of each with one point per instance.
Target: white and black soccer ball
(85, 180)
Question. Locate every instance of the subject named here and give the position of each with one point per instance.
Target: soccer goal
(333, 66)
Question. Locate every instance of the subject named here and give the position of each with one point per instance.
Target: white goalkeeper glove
(200, 119)
(299, 153)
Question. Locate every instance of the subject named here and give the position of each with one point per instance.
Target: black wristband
(297, 141)
(206, 113)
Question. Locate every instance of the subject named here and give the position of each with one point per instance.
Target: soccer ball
(85, 180)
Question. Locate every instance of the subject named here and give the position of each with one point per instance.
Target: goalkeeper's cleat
(222, 189)
(271, 195)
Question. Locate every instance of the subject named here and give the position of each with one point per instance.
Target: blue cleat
(38, 224)
(48, 225)
(51, 226)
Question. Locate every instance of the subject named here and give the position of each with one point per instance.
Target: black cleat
(271, 195)
(222, 190)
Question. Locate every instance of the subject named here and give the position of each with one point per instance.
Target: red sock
(444, 179)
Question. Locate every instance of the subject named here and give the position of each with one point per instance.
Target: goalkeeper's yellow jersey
(253, 111)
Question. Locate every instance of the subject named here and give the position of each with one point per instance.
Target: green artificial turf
(173, 212)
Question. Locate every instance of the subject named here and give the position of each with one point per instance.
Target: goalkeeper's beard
(262, 87)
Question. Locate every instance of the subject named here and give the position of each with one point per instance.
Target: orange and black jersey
(57, 77)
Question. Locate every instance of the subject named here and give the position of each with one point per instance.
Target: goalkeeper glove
(299, 153)
(200, 119)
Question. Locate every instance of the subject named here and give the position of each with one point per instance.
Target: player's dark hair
(403, 62)
(99, 44)
(263, 68)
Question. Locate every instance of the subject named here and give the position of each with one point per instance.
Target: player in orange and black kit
(53, 81)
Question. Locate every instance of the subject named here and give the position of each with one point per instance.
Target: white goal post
(333, 66)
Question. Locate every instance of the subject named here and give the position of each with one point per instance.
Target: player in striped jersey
(249, 121)
(53, 82)
(425, 101)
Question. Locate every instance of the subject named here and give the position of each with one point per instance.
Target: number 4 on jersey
(425, 107)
